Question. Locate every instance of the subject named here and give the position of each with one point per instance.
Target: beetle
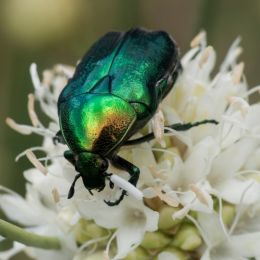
(114, 92)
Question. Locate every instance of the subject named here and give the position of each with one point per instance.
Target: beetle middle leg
(133, 171)
(177, 127)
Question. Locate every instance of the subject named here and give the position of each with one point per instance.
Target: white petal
(252, 119)
(197, 165)
(206, 255)
(212, 228)
(103, 215)
(233, 189)
(128, 237)
(20, 211)
(231, 160)
(152, 218)
(46, 184)
(247, 245)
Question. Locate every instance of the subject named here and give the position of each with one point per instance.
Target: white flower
(132, 219)
(194, 173)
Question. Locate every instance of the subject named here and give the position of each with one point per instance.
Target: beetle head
(92, 168)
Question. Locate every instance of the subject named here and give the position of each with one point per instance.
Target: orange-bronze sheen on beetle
(114, 92)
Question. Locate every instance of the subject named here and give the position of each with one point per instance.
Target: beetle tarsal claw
(114, 203)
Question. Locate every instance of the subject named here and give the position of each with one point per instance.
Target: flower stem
(12, 232)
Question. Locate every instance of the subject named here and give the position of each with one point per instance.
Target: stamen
(160, 150)
(240, 104)
(234, 122)
(22, 129)
(9, 191)
(199, 39)
(252, 91)
(247, 172)
(182, 137)
(202, 233)
(200, 195)
(106, 256)
(166, 198)
(237, 73)
(47, 158)
(158, 127)
(231, 56)
(38, 165)
(27, 130)
(106, 252)
(239, 208)
(92, 242)
(68, 71)
(35, 76)
(47, 78)
(20, 155)
(31, 111)
(221, 219)
(157, 174)
(205, 56)
(180, 214)
(56, 195)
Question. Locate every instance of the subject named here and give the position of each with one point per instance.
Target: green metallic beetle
(114, 92)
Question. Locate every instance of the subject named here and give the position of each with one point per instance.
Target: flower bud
(86, 230)
(138, 253)
(175, 253)
(96, 256)
(166, 221)
(187, 238)
(155, 240)
(228, 213)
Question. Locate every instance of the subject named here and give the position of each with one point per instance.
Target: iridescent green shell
(116, 89)
(95, 122)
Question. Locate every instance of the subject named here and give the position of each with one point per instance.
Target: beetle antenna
(72, 189)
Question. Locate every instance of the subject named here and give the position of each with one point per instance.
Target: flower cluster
(201, 187)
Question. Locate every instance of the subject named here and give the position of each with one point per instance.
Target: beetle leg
(185, 127)
(107, 175)
(114, 203)
(58, 138)
(123, 164)
(133, 171)
(177, 127)
(111, 185)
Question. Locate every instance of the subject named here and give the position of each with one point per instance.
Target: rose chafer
(115, 91)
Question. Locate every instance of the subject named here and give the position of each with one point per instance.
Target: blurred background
(49, 32)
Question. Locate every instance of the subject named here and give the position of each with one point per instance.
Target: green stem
(12, 232)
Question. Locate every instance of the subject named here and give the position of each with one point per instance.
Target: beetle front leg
(133, 171)
(123, 164)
